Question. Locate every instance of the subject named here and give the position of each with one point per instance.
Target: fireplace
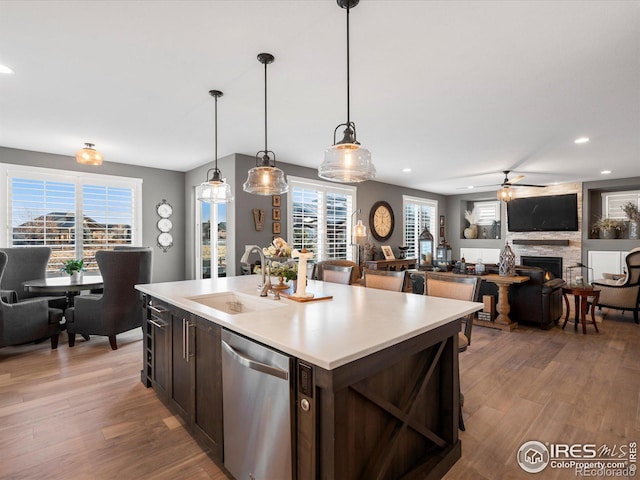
(551, 265)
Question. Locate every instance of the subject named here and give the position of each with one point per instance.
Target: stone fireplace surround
(567, 245)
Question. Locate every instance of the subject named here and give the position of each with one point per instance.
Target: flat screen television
(555, 213)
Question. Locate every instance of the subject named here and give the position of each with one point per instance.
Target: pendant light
(89, 155)
(215, 189)
(358, 230)
(265, 178)
(347, 161)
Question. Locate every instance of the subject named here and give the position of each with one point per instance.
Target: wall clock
(165, 239)
(381, 221)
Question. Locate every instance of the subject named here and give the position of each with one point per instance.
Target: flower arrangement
(278, 248)
(631, 210)
(72, 266)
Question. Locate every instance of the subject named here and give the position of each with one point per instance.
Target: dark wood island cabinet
(377, 410)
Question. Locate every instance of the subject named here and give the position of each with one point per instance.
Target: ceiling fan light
(505, 194)
(347, 163)
(89, 155)
(265, 180)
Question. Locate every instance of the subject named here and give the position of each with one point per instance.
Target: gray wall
(157, 184)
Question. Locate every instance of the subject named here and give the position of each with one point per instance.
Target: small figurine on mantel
(303, 255)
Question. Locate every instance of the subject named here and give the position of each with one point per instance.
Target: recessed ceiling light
(406, 170)
(605, 172)
(580, 140)
(470, 187)
(5, 69)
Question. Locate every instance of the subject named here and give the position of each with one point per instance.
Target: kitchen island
(374, 374)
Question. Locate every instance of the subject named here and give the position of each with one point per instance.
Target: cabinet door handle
(188, 340)
(184, 340)
(156, 324)
(158, 310)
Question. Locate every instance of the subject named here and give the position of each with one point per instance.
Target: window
(211, 239)
(319, 218)
(75, 214)
(418, 214)
(612, 203)
(487, 212)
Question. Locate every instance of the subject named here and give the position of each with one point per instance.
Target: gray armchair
(26, 263)
(623, 293)
(28, 321)
(119, 308)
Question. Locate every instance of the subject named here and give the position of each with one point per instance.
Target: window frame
(78, 179)
(324, 188)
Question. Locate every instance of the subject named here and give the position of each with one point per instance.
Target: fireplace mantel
(557, 243)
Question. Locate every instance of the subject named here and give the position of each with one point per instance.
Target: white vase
(471, 231)
(76, 276)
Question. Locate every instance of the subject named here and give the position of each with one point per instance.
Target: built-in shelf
(558, 243)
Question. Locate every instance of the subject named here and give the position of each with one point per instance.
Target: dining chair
(30, 320)
(337, 274)
(318, 268)
(119, 308)
(384, 280)
(23, 264)
(458, 288)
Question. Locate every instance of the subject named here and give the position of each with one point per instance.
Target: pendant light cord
(265, 109)
(215, 127)
(348, 77)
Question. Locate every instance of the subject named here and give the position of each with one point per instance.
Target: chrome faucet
(266, 279)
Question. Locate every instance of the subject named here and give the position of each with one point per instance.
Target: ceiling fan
(505, 193)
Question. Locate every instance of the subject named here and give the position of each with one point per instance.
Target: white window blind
(612, 203)
(488, 212)
(74, 213)
(319, 218)
(107, 220)
(43, 213)
(418, 214)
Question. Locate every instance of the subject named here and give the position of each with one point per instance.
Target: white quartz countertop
(357, 322)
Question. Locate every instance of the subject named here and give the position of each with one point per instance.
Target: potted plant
(631, 210)
(608, 227)
(73, 268)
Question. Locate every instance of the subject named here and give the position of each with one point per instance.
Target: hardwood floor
(82, 413)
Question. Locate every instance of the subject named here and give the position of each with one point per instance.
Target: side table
(581, 296)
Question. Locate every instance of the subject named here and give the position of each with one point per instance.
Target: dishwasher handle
(253, 364)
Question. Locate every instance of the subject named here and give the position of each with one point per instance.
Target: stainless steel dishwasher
(257, 410)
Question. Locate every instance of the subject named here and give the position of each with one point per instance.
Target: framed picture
(441, 232)
(275, 214)
(388, 252)
(442, 220)
(275, 201)
(276, 228)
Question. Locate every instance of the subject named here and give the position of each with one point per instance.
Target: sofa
(537, 301)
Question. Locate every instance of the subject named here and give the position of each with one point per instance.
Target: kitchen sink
(234, 303)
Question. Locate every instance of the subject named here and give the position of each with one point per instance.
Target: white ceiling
(456, 90)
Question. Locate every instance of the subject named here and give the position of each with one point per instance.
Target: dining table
(68, 285)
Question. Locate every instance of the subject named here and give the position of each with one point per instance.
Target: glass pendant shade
(347, 163)
(265, 180)
(505, 194)
(214, 191)
(89, 155)
(359, 230)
